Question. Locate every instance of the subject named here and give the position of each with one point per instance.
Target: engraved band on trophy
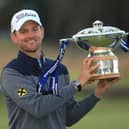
(100, 40)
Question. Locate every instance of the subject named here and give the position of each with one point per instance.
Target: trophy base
(107, 76)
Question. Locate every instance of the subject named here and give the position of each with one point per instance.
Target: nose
(30, 34)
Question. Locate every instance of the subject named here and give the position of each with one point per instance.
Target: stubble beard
(27, 50)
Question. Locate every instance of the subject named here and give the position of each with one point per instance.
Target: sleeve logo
(22, 92)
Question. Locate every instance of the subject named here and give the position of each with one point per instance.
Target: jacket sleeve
(76, 110)
(23, 92)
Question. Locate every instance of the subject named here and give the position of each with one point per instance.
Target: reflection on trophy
(100, 40)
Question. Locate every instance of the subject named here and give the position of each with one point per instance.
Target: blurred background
(62, 19)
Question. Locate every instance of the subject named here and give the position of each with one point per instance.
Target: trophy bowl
(99, 40)
(99, 35)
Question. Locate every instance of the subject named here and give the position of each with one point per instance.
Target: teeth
(31, 41)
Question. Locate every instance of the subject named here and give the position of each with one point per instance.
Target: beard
(30, 49)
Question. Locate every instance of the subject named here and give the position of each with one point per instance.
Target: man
(38, 92)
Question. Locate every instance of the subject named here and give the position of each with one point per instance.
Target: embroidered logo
(22, 15)
(22, 92)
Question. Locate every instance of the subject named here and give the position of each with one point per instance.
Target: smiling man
(37, 90)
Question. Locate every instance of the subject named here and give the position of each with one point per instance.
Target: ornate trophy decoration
(100, 40)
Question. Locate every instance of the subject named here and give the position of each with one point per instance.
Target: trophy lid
(99, 35)
(98, 29)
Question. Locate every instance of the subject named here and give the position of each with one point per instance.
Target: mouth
(31, 41)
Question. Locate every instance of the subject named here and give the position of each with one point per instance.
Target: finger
(94, 77)
(90, 81)
(94, 68)
(113, 80)
(88, 60)
(102, 82)
(93, 62)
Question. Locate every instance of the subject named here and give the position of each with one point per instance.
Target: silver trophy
(100, 40)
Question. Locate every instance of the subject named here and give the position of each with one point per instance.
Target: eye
(23, 31)
(36, 28)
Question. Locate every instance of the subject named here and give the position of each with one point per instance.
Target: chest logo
(22, 92)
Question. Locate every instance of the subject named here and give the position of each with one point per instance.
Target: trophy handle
(80, 43)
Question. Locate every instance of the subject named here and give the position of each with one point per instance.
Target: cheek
(42, 34)
(19, 39)
(39, 37)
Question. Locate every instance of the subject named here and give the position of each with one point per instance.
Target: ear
(13, 37)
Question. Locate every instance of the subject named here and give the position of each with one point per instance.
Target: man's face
(29, 37)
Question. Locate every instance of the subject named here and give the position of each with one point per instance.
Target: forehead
(29, 23)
